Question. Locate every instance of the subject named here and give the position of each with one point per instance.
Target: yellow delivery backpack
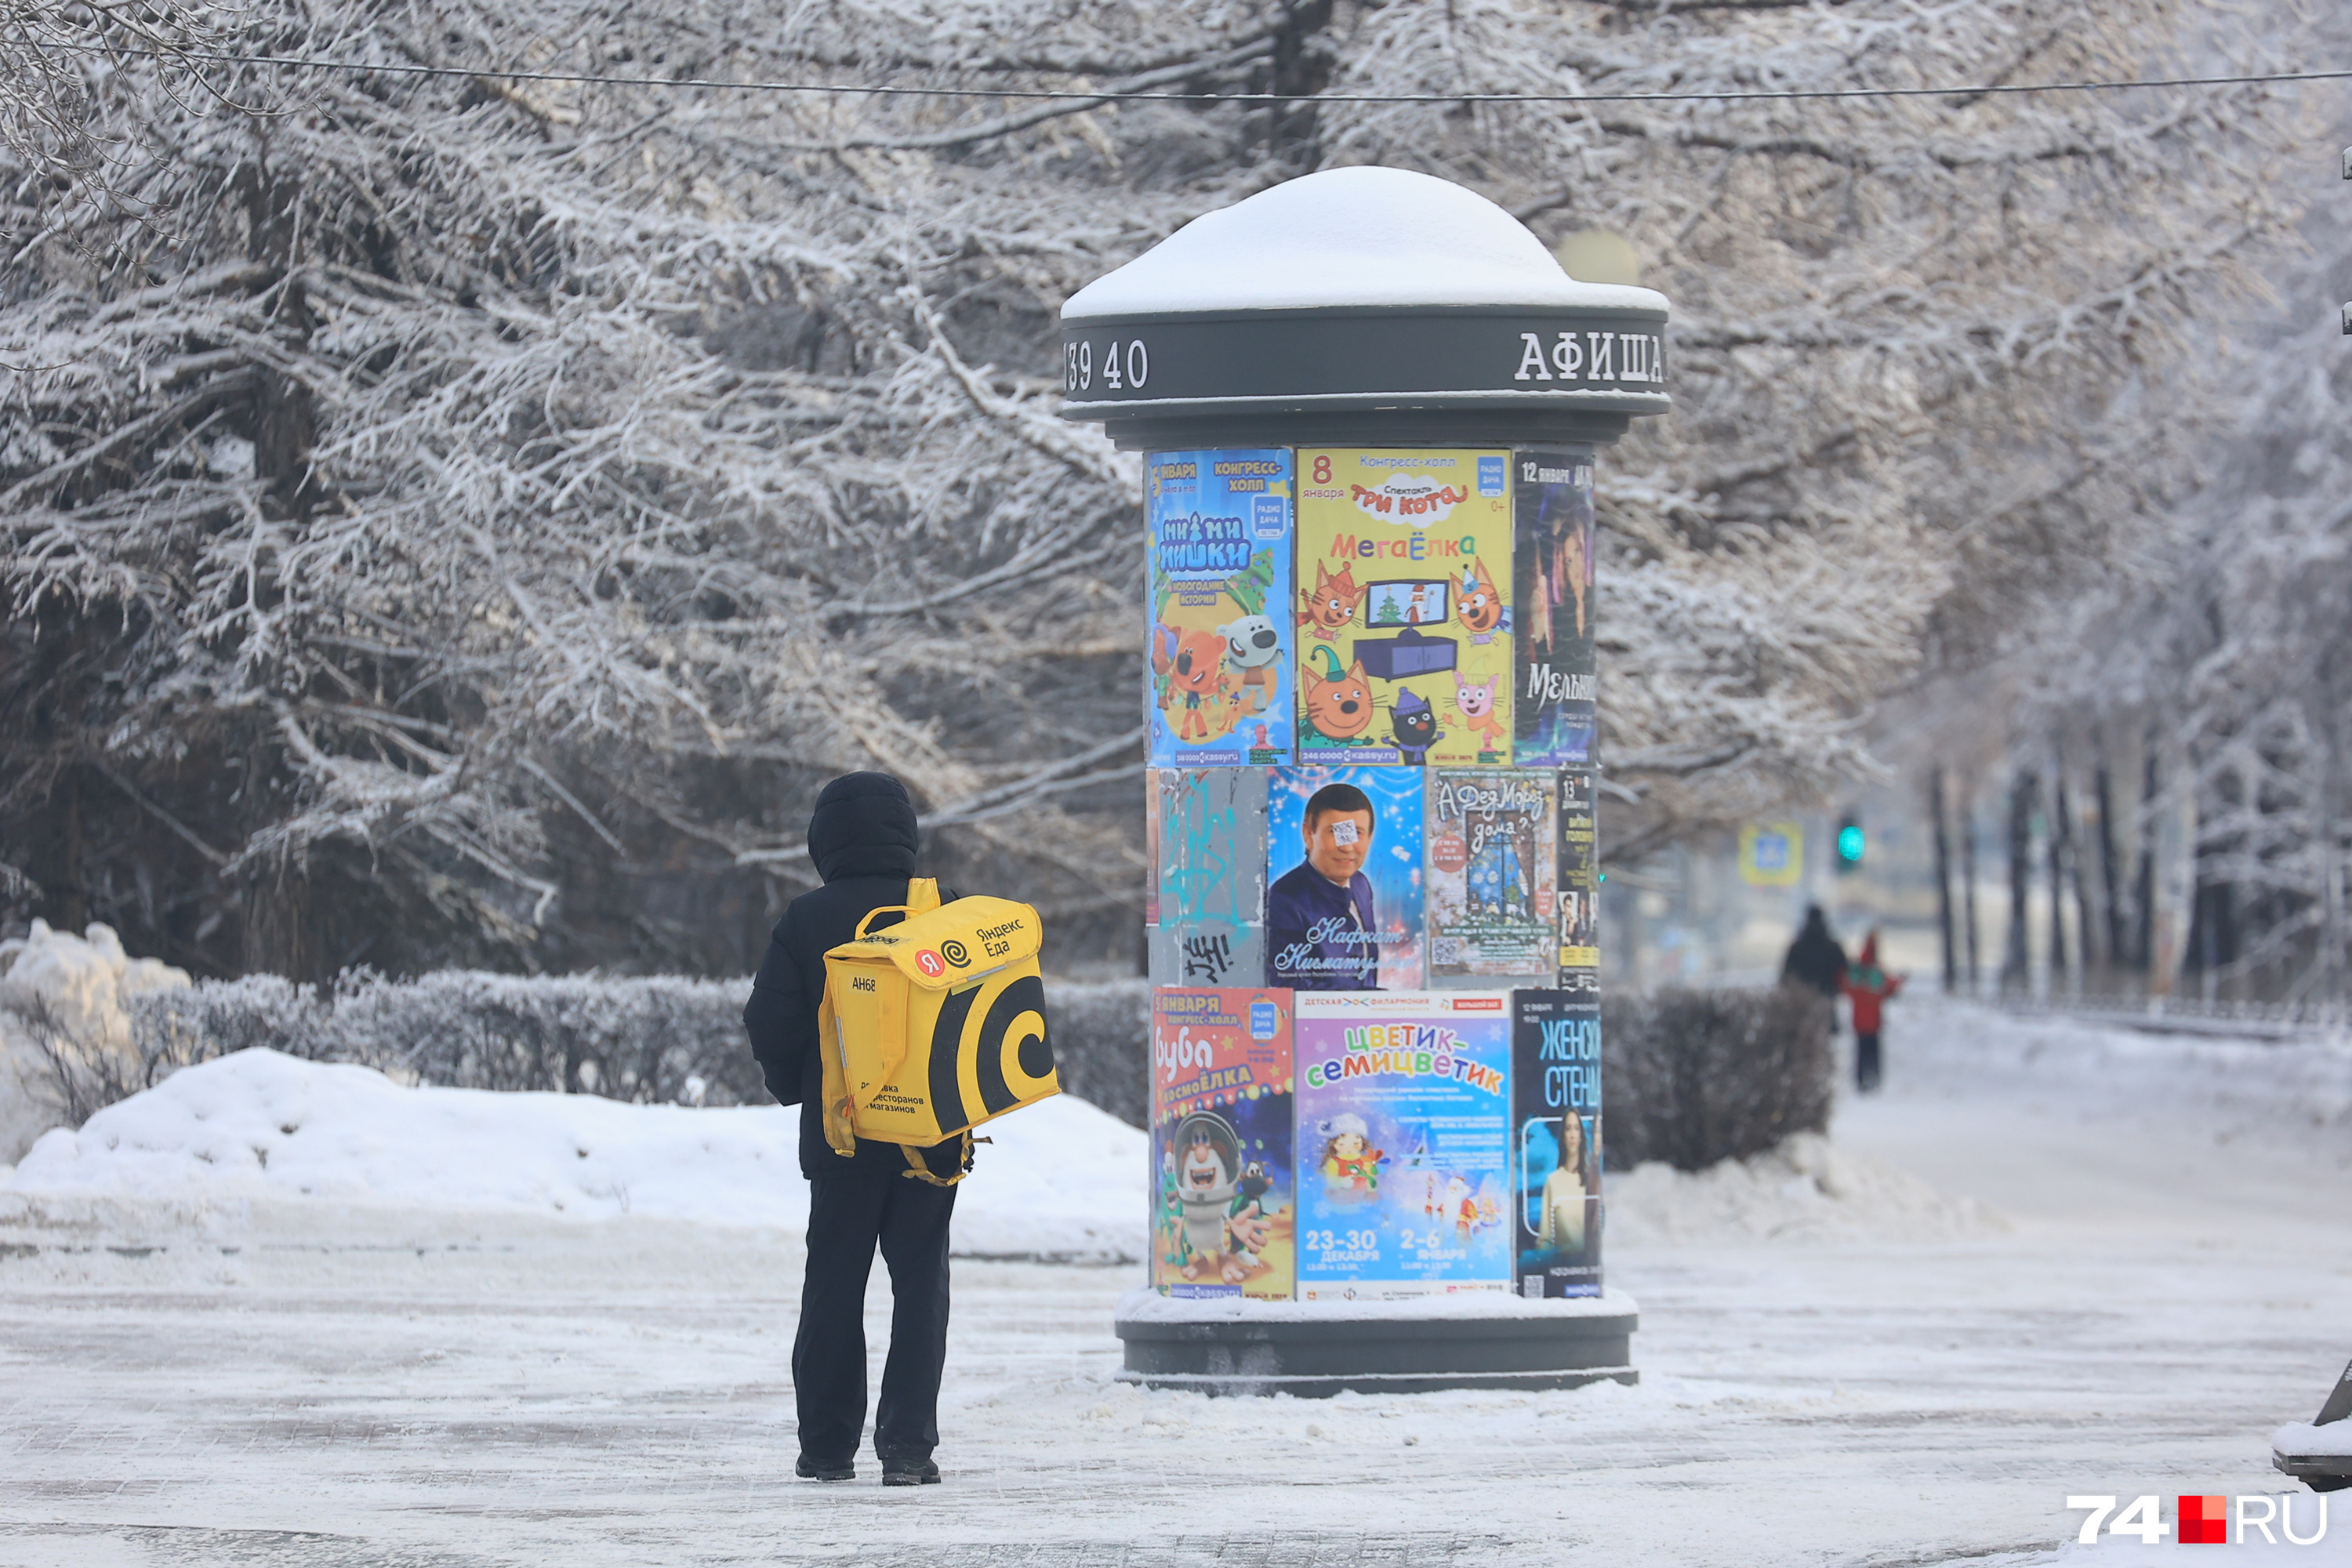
(933, 1026)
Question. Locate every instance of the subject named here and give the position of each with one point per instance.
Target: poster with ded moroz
(1225, 1216)
(1556, 1132)
(1404, 623)
(1552, 604)
(1220, 665)
(1403, 1133)
(1492, 868)
(1343, 879)
(1207, 839)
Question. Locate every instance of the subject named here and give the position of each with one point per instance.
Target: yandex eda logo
(2206, 1520)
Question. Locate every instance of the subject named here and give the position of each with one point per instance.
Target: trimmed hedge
(1692, 1077)
(661, 1040)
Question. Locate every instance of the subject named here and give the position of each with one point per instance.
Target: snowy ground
(2049, 1260)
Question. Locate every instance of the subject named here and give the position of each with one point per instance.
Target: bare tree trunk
(1968, 882)
(1943, 874)
(2062, 857)
(2016, 961)
(2143, 942)
(2118, 948)
(2088, 931)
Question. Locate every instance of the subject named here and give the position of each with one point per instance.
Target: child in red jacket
(1868, 988)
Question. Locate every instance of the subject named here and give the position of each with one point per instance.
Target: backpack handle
(880, 909)
(922, 897)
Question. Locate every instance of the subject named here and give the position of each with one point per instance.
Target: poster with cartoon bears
(1578, 898)
(1551, 553)
(1491, 867)
(1403, 608)
(1404, 1171)
(1221, 685)
(1208, 845)
(1556, 1157)
(1343, 879)
(1225, 1213)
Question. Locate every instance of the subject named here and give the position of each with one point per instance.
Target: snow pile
(2303, 1440)
(1807, 1189)
(73, 994)
(1061, 1180)
(1359, 237)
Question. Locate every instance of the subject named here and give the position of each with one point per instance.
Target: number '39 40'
(1123, 365)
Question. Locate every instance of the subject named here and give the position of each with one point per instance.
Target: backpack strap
(832, 1055)
(833, 1046)
(918, 1172)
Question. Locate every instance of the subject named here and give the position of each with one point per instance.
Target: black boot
(810, 1469)
(909, 1472)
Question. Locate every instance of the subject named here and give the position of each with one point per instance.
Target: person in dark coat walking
(1815, 959)
(862, 840)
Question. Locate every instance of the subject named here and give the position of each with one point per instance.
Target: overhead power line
(1703, 95)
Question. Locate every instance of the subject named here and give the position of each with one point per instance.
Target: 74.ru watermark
(2291, 1519)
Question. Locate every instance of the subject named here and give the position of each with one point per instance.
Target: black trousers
(1865, 1062)
(848, 1214)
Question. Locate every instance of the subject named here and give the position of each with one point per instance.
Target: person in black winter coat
(1815, 959)
(862, 840)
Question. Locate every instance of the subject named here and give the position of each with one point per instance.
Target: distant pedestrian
(862, 840)
(1815, 959)
(1869, 987)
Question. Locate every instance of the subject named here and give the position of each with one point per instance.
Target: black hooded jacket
(1815, 959)
(862, 840)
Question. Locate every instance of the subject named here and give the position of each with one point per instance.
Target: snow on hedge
(1061, 1179)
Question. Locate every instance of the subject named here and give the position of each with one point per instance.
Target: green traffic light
(1849, 842)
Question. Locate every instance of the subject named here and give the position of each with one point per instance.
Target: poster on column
(1404, 617)
(1403, 1144)
(1208, 838)
(1491, 867)
(1554, 684)
(1225, 1220)
(1343, 879)
(1556, 1153)
(1220, 687)
(1579, 897)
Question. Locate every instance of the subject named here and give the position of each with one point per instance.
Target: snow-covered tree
(2215, 669)
(453, 511)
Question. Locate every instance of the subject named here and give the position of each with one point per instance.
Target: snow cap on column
(1366, 236)
(1365, 307)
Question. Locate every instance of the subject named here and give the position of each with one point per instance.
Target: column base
(1317, 1348)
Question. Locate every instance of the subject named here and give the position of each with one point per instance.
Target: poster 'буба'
(1404, 608)
(1343, 879)
(1556, 1090)
(1220, 687)
(1403, 1131)
(1220, 1143)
